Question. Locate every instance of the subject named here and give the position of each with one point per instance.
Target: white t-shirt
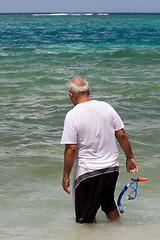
(92, 125)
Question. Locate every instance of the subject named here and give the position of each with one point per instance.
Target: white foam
(50, 14)
(103, 14)
(70, 14)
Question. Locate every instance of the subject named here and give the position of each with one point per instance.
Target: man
(89, 134)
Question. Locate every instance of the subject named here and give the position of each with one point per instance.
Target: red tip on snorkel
(142, 179)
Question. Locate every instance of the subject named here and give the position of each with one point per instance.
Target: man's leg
(113, 215)
(87, 200)
(94, 221)
(108, 204)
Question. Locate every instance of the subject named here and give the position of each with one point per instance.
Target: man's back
(92, 127)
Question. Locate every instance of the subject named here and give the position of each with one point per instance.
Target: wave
(49, 14)
(103, 14)
(69, 14)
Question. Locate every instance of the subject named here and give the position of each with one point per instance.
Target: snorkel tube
(133, 191)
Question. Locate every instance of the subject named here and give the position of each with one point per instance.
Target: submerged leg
(113, 215)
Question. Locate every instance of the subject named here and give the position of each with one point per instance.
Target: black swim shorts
(94, 192)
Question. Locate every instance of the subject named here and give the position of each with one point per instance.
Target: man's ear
(70, 94)
(89, 91)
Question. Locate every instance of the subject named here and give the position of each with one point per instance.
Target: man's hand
(131, 165)
(65, 184)
(69, 157)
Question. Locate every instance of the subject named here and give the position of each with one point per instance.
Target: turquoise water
(120, 57)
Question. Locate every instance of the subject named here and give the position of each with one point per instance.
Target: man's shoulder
(103, 104)
(70, 112)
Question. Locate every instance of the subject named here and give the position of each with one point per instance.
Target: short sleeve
(69, 135)
(117, 121)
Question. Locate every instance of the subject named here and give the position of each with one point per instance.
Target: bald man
(89, 135)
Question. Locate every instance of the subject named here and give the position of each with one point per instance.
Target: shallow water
(119, 55)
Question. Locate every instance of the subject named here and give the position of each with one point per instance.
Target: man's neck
(83, 99)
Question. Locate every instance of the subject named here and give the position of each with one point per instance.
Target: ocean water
(119, 54)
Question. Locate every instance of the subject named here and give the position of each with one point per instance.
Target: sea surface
(119, 54)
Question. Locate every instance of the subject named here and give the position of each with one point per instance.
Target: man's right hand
(65, 184)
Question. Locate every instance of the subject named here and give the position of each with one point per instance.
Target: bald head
(78, 85)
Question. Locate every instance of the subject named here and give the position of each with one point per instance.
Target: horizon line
(74, 12)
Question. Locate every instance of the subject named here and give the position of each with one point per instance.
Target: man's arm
(131, 164)
(69, 157)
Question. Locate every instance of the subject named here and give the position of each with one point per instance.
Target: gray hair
(78, 85)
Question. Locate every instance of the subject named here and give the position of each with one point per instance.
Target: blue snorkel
(132, 185)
